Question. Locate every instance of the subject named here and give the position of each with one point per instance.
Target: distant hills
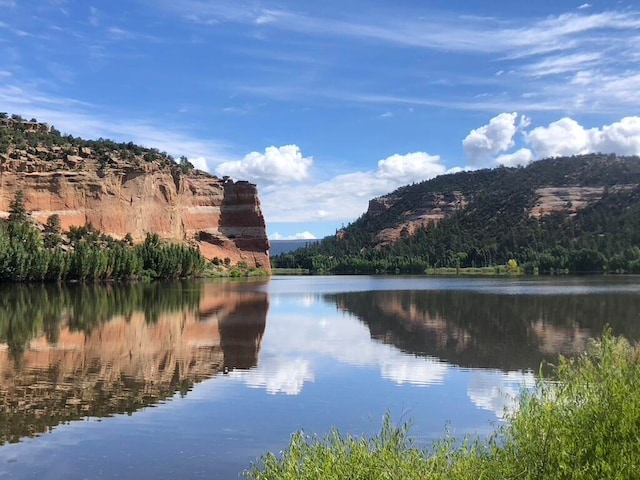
(279, 247)
(570, 214)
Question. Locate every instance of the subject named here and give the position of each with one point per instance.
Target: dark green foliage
(18, 213)
(185, 165)
(495, 226)
(27, 254)
(169, 260)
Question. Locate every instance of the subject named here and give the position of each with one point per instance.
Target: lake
(198, 379)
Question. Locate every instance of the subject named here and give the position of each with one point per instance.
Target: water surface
(197, 379)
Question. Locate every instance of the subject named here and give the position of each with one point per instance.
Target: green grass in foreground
(583, 424)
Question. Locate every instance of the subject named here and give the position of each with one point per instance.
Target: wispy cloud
(562, 64)
(438, 31)
(529, 50)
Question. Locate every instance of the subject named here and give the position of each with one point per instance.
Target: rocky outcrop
(135, 196)
(569, 200)
(433, 208)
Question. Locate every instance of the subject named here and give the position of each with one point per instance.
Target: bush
(389, 455)
(584, 424)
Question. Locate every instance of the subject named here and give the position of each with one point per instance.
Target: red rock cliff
(137, 197)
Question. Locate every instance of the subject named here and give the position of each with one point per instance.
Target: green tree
(18, 213)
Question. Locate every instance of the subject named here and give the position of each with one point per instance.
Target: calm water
(197, 380)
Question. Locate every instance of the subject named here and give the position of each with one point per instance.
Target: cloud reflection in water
(299, 335)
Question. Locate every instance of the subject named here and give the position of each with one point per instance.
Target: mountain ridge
(575, 214)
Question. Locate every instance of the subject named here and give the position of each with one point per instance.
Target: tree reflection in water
(99, 350)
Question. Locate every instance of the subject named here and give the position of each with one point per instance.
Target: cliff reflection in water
(474, 329)
(69, 353)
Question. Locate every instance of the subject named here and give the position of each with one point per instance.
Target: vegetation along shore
(580, 421)
(30, 253)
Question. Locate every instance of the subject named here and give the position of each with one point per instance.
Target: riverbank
(581, 421)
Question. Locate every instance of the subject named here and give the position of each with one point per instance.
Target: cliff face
(120, 197)
(432, 208)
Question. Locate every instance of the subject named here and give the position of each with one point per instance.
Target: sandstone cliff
(124, 189)
(433, 208)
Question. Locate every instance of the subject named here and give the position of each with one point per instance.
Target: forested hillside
(575, 214)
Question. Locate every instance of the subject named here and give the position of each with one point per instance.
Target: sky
(326, 105)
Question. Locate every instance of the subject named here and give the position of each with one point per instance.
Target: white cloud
(521, 157)
(563, 137)
(345, 197)
(562, 64)
(567, 137)
(496, 391)
(414, 166)
(621, 137)
(306, 235)
(482, 144)
(200, 163)
(276, 166)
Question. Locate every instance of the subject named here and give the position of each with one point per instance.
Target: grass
(502, 270)
(581, 423)
(291, 271)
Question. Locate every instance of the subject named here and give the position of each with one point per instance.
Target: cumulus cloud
(200, 163)
(489, 145)
(276, 166)
(568, 137)
(306, 235)
(520, 157)
(414, 166)
(482, 144)
(345, 197)
(563, 137)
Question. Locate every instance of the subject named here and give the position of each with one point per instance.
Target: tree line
(83, 254)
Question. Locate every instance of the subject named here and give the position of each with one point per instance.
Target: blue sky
(327, 104)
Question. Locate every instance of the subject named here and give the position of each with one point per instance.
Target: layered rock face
(434, 207)
(569, 200)
(120, 197)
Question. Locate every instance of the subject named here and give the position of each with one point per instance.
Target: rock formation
(134, 191)
(433, 208)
